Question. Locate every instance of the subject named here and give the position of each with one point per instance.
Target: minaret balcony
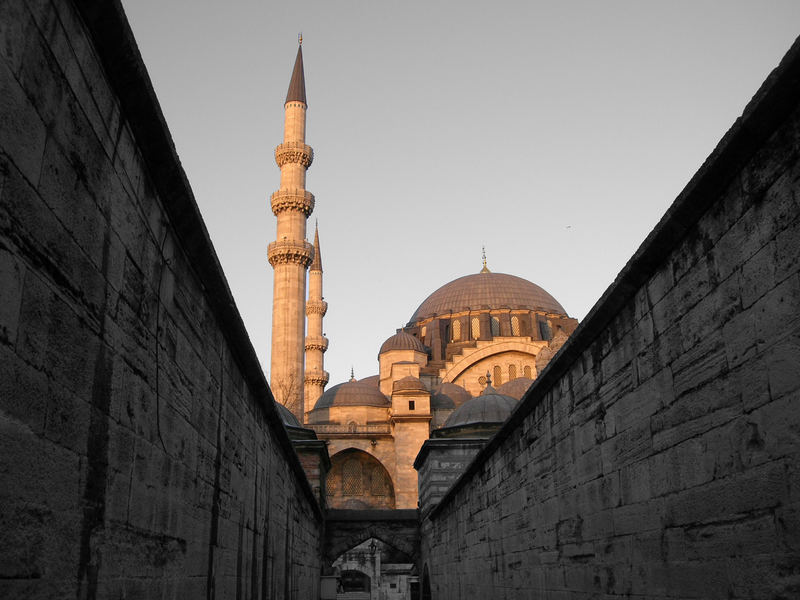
(290, 251)
(297, 200)
(314, 342)
(316, 307)
(294, 152)
(317, 378)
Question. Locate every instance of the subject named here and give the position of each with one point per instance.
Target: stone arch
(465, 361)
(400, 534)
(358, 480)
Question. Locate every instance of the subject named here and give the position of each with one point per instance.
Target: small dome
(287, 416)
(488, 408)
(402, 341)
(515, 388)
(352, 393)
(449, 395)
(409, 384)
(486, 291)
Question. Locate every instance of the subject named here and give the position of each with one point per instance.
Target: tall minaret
(291, 254)
(316, 343)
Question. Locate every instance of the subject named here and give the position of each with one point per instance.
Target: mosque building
(454, 371)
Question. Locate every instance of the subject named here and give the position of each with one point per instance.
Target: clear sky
(554, 133)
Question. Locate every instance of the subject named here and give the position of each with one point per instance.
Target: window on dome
(456, 331)
(411, 405)
(498, 376)
(476, 328)
(512, 372)
(495, 326)
(515, 325)
(424, 331)
(526, 371)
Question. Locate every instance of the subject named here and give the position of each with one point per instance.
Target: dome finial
(485, 269)
(300, 38)
(352, 375)
(488, 380)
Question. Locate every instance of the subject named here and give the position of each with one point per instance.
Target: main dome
(486, 290)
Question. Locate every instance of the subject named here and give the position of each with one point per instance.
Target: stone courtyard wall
(657, 455)
(140, 453)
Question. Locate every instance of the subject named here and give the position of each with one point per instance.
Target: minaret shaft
(290, 255)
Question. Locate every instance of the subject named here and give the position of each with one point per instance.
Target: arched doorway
(355, 581)
(358, 480)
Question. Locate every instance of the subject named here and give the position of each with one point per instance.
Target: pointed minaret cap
(297, 86)
(316, 264)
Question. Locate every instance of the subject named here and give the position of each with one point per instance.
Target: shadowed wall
(142, 456)
(657, 455)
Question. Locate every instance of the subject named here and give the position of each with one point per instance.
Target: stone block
(759, 488)
(787, 259)
(12, 274)
(782, 361)
(22, 132)
(685, 465)
(777, 312)
(23, 392)
(639, 517)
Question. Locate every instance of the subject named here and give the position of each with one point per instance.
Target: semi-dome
(352, 393)
(402, 341)
(449, 395)
(409, 384)
(486, 291)
(516, 388)
(488, 408)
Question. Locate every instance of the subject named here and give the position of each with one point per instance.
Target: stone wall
(657, 455)
(140, 453)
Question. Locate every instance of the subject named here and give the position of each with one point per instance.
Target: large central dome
(486, 290)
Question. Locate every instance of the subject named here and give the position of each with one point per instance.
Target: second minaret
(290, 255)
(316, 343)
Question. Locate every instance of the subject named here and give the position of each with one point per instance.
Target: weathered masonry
(658, 454)
(142, 456)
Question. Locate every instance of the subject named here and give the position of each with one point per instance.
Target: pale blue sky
(555, 133)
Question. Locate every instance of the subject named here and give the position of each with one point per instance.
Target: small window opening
(411, 405)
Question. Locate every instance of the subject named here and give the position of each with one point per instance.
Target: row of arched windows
(501, 376)
(457, 335)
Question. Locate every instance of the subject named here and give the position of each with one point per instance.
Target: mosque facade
(455, 371)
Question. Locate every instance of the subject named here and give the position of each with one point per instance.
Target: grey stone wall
(140, 453)
(657, 456)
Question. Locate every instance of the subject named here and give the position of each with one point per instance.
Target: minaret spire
(291, 254)
(297, 85)
(316, 343)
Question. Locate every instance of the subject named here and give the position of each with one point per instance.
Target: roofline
(127, 75)
(769, 107)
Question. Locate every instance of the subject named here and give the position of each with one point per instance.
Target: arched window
(456, 331)
(514, 325)
(526, 371)
(512, 372)
(351, 478)
(497, 378)
(476, 328)
(424, 331)
(495, 326)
